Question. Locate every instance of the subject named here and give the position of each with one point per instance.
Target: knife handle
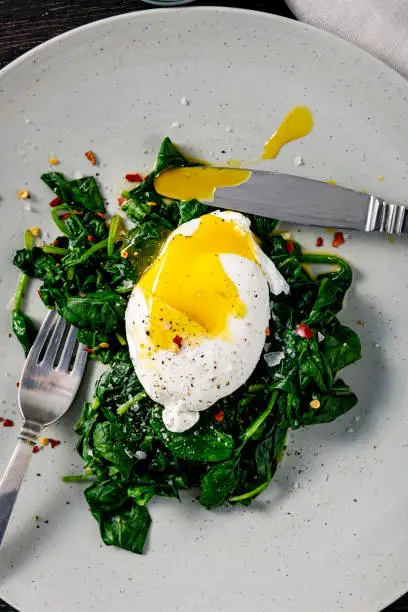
(385, 217)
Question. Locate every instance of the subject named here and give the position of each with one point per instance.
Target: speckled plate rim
(396, 592)
(165, 10)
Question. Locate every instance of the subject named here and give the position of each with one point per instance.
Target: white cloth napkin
(379, 26)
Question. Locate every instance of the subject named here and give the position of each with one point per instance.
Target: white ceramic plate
(331, 532)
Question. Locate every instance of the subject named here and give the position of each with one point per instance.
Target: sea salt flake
(299, 161)
(274, 358)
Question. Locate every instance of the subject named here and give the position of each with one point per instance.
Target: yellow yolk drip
(234, 163)
(297, 124)
(187, 290)
(197, 182)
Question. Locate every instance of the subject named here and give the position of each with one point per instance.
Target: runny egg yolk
(187, 290)
(297, 124)
(198, 182)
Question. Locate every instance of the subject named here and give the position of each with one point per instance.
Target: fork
(48, 385)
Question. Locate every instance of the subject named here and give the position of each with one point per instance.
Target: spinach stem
(113, 229)
(77, 478)
(96, 403)
(54, 250)
(124, 289)
(28, 240)
(133, 400)
(261, 419)
(23, 279)
(96, 247)
(120, 338)
(257, 387)
(250, 494)
(21, 289)
(61, 224)
(317, 258)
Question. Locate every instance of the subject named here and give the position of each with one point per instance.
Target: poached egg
(196, 321)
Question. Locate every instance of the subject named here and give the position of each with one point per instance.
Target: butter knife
(309, 202)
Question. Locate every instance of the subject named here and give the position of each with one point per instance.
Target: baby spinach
(127, 529)
(129, 456)
(203, 443)
(218, 483)
(100, 310)
(83, 192)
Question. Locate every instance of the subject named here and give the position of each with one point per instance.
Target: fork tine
(80, 361)
(66, 354)
(42, 335)
(54, 343)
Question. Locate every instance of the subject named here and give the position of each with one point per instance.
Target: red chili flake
(55, 202)
(304, 331)
(134, 178)
(36, 449)
(101, 215)
(78, 212)
(338, 239)
(8, 423)
(178, 340)
(121, 201)
(1, 419)
(17, 384)
(219, 416)
(89, 350)
(54, 443)
(267, 331)
(91, 238)
(65, 216)
(56, 242)
(91, 156)
(319, 241)
(290, 247)
(39, 293)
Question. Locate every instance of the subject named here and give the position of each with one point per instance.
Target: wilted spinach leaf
(83, 192)
(102, 310)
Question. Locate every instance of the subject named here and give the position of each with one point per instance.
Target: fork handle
(11, 481)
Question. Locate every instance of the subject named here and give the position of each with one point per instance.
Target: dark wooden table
(25, 23)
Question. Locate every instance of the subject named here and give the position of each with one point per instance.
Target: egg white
(194, 378)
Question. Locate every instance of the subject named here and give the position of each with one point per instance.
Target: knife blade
(309, 202)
